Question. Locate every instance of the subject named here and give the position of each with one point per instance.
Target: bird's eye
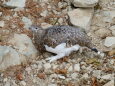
(36, 28)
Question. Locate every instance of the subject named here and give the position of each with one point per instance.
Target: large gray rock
(8, 57)
(84, 3)
(110, 42)
(23, 51)
(15, 3)
(81, 17)
(24, 46)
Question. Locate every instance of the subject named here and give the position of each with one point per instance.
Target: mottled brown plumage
(56, 35)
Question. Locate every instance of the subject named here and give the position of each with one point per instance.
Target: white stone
(108, 77)
(27, 22)
(24, 46)
(85, 76)
(84, 3)
(0, 13)
(97, 73)
(74, 75)
(1, 23)
(52, 85)
(110, 83)
(23, 83)
(7, 84)
(61, 77)
(112, 28)
(110, 42)
(8, 57)
(77, 67)
(81, 17)
(28, 69)
(15, 3)
(44, 13)
(47, 65)
(70, 69)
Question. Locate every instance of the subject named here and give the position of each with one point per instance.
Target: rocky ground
(20, 64)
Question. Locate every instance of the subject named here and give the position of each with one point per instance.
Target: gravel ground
(86, 69)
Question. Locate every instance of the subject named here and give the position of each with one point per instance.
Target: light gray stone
(61, 77)
(47, 66)
(23, 83)
(110, 83)
(8, 57)
(70, 69)
(24, 46)
(112, 28)
(97, 73)
(44, 13)
(103, 33)
(81, 17)
(108, 77)
(27, 22)
(45, 25)
(0, 13)
(74, 75)
(110, 42)
(15, 3)
(1, 23)
(77, 67)
(52, 85)
(84, 3)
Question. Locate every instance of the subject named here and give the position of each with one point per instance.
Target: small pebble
(77, 67)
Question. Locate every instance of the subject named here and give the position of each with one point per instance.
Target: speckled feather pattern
(56, 35)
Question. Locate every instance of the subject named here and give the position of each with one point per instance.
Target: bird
(61, 40)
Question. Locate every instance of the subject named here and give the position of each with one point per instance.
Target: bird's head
(36, 29)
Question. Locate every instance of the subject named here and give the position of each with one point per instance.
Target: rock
(112, 28)
(62, 5)
(27, 22)
(97, 73)
(15, 3)
(108, 15)
(110, 83)
(24, 46)
(8, 57)
(45, 25)
(52, 85)
(7, 84)
(28, 69)
(84, 3)
(0, 13)
(70, 69)
(47, 66)
(61, 77)
(77, 67)
(108, 77)
(103, 33)
(74, 75)
(44, 13)
(23, 83)
(110, 42)
(85, 76)
(1, 23)
(81, 17)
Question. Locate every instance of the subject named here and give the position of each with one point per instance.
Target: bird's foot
(54, 58)
(50, 49)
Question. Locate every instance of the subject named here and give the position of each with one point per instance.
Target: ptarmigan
(61, 40)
